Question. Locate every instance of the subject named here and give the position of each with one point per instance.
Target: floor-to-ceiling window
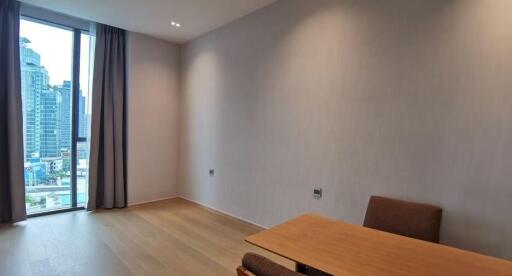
(56, 114)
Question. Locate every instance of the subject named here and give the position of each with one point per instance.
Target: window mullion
(75, 116)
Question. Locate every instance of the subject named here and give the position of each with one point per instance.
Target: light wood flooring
(171, 237)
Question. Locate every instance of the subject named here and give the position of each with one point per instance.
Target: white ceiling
(153, 17)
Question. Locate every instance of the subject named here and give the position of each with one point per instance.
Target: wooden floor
(172, 237)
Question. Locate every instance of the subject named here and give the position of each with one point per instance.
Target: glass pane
(46, 70)
(84, 120)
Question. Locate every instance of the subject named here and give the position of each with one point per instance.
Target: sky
(55, 45)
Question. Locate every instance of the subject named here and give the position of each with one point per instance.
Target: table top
(340, 248)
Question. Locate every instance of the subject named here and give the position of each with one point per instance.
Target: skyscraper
(41, 122)
(34, 79)
(49, 124)
(83, 117)
(64, 110)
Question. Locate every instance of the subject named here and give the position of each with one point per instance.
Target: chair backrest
(254, 264)
(414, 220)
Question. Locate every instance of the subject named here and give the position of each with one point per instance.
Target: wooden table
(340, 248)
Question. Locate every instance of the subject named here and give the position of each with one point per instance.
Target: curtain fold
(107, 163)
(12, 186)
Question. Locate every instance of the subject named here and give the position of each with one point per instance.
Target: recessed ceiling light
(175, 24)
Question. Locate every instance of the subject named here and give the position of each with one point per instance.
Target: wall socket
(317, 193)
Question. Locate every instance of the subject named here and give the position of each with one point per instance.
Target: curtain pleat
(12, 186)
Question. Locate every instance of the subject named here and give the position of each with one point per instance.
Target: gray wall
(153, 90)
(409, 99)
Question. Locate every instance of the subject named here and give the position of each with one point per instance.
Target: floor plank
(171, 237)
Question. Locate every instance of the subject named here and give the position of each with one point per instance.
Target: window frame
(78, 27)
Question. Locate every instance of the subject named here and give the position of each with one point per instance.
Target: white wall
(153, 85)
(404, 98)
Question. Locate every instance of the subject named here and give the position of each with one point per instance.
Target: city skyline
(57, 59)
(47, 108)
(47, 119)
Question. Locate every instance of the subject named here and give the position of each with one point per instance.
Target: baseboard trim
(151, 201)
(224, 212)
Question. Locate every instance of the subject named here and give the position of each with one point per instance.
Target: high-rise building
(36, 96)
(41, 122)
(64, 103)
(83, 128)
(49, 129)
(83, 117)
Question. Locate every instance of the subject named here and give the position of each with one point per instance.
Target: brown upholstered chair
(414, 220)
(257, 265)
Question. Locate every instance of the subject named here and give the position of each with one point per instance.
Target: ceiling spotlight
(175, 24)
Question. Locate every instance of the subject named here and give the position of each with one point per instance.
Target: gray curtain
(12, 186)
(107, 167)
